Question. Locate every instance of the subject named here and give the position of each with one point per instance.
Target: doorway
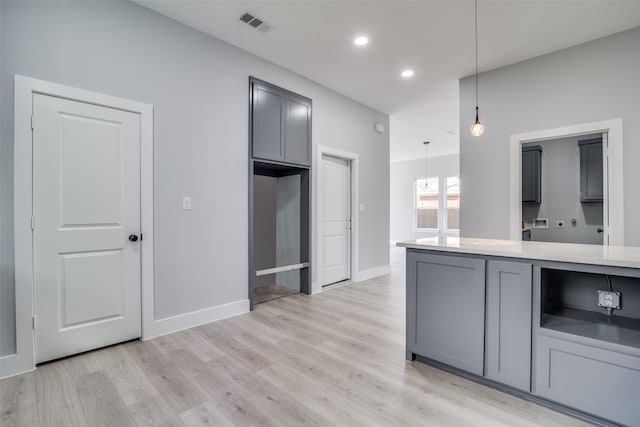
(563, 190)
(83, 200)
(613, 177)
(336, 220)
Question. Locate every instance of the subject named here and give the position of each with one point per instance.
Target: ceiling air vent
(257, 23)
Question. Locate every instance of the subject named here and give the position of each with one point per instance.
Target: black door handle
(133, 237)
(599, 230)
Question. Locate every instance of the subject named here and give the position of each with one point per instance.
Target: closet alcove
(279, 192)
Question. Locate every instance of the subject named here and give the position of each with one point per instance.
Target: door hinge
(33, 223)
(33, 322)
(33, 121)
(141, 237)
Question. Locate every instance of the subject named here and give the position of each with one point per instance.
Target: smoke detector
(250, 19)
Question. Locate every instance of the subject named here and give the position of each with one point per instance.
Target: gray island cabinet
(530, 318)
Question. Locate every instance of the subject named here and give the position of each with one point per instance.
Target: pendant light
(426, 166)
(477, 128)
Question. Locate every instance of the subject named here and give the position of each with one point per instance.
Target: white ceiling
(435, 38)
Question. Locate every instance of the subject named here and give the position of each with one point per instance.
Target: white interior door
(86, 204)
(336, 220)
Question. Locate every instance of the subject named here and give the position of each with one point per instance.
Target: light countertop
(616, 256)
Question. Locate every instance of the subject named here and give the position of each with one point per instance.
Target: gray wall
(265, 193)
(288, 230)
(198, 86)
(403, 175)
(560, 199)
(599, 80)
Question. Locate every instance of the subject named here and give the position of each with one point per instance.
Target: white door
(86, 204)
(336, 219)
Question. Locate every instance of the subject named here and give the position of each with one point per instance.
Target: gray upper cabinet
(508, 343)
(281, 124)
(445, 309)
(297, 135)
(267, 122)
(531, 174)
(591, 185)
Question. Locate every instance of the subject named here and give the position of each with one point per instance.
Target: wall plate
(609, 299)
(540, 223)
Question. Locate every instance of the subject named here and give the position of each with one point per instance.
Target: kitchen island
(552, 322)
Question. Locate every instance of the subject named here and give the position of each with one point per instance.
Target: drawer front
(601, 382)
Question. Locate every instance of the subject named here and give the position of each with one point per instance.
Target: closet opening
(280, 231)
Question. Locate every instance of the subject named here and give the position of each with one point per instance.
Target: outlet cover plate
(609, 299)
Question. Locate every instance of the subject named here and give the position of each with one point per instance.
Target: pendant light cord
(426, 165)
(476, 27)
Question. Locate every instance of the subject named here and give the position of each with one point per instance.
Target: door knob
(133, 237)
(599, 230)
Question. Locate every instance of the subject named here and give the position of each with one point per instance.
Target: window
(453, 203)
(437, 204)
(427, 201)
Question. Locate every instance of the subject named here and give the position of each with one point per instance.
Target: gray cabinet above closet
(281, 124)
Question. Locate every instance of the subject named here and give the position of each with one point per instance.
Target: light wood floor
(336, 358)
(270, 292)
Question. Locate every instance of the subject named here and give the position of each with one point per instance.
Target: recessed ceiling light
(361, 40)
(407, 73)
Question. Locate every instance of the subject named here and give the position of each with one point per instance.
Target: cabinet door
(297, 133)
(267, 122)
(591, 180)
(595, 380)
(531, 174)
(508, 346)
(445, 309)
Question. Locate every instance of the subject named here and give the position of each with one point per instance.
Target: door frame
(612, 174)
(354, 160)
(25, 87)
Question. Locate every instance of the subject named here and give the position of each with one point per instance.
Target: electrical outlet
(609, 299)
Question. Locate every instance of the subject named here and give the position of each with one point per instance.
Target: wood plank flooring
(334, 359)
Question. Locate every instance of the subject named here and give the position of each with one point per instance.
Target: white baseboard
(11, 365)
(195, 318)
(316, 288)
(371, 273)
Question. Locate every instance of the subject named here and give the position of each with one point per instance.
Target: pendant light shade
(477, 128)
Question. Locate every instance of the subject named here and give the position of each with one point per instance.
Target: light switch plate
(186, 203)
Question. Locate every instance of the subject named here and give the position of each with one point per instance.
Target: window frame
(415, 207)
(442, 225)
